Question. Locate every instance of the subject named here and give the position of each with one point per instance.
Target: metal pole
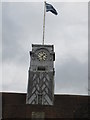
(44, 22)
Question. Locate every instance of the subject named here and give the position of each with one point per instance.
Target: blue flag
(50, 8)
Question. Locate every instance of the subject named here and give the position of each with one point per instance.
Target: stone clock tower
(41, 75)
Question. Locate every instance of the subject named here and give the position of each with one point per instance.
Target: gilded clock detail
(42, 55)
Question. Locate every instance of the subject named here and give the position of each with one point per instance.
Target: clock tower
(41, 75)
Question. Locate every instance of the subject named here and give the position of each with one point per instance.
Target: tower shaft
(41, 75)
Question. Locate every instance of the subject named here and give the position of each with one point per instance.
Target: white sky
(22, 26)
(44, 0)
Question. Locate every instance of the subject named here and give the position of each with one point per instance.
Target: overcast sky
(22, 24)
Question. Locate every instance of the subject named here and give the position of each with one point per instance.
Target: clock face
(42, 55)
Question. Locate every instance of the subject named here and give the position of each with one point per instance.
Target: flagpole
(44, 22)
